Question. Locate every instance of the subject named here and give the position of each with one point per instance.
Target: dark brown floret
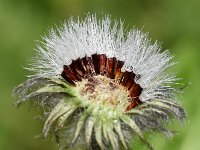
(100, 64)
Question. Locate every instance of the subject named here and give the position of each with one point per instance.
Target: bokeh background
(175, 23)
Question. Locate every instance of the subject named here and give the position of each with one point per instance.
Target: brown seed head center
(103, 90)
(101, 79)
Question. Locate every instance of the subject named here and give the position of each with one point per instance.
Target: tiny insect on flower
(102, 86)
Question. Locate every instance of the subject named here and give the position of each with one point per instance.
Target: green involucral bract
(96, 122)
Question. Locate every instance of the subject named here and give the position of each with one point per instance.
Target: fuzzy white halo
(77, 39)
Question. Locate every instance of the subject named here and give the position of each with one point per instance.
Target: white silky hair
(77, 39)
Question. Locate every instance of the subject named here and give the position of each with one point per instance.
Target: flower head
(102, 86)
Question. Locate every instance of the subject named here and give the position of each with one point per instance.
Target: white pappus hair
(77, 39)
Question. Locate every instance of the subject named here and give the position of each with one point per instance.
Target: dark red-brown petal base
(99, 64)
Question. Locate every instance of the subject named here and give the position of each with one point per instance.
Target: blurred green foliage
(176, 23)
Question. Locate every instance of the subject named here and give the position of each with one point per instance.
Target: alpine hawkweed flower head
(101, 86)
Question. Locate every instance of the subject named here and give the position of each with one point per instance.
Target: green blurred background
(176, 23)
